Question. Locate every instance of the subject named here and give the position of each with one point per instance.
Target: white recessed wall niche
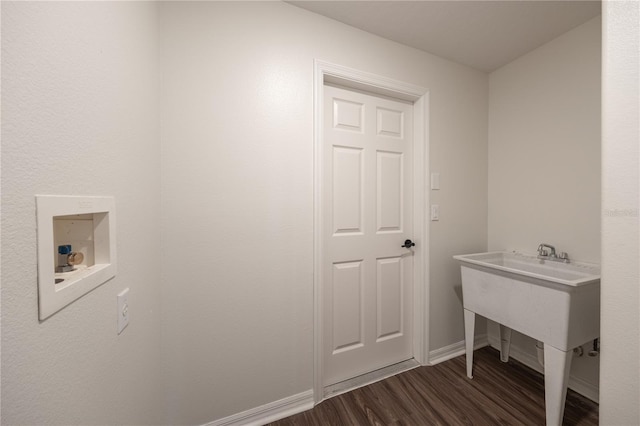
(76, 248)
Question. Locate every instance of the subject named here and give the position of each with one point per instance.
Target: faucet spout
(550, 254)
(542, 252)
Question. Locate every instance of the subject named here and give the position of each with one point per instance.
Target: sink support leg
(557, 365)
(469, 337)
(505, 343)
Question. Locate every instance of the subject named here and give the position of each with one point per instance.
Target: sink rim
(573, 274)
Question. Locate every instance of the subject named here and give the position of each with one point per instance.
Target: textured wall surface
(80, 117)
(237, 194)
(620, 368)
(544, 157)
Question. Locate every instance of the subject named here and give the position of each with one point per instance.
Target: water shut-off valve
(68, 258)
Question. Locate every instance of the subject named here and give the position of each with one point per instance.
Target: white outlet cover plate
(123, 310)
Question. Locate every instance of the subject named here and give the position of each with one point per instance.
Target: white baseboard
(304, 401)
(584, 388)
(448, 352)
(270, 412)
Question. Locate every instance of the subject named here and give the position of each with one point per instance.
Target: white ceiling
(481, 34)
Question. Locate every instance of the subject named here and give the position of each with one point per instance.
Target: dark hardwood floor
(499, 394)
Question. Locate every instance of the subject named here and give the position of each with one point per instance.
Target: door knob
(408, 244)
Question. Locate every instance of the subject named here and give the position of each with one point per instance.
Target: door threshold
(369, 378)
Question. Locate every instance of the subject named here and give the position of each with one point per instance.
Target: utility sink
(554, 302)
(572, 274)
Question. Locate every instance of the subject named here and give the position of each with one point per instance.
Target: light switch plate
(435, 180)
(435, 212)
(123, 310)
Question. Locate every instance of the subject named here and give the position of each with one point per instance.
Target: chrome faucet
(542, 252)
(551, 254)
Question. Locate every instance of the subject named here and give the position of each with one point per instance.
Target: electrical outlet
(123, 310)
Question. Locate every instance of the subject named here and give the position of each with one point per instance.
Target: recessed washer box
(87, 224)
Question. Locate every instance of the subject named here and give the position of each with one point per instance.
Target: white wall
(237, 194)
(544, 147)
(620, 365)
(544, 159)
(80, 117)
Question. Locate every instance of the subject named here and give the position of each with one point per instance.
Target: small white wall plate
(51, 296)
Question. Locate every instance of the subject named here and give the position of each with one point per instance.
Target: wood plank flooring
(499, 394)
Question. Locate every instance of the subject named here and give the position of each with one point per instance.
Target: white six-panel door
(367, 216)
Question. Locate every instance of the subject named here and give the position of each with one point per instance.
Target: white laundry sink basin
(554, 302)
(571, 274)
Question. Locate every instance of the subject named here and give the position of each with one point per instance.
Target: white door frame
(360, 80)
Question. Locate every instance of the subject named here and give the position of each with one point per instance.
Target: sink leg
(469, 337)
(557, 365)
(505, 343)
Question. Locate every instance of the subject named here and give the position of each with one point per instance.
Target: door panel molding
(352, 79)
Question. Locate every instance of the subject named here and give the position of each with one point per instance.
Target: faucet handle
(564, 256)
